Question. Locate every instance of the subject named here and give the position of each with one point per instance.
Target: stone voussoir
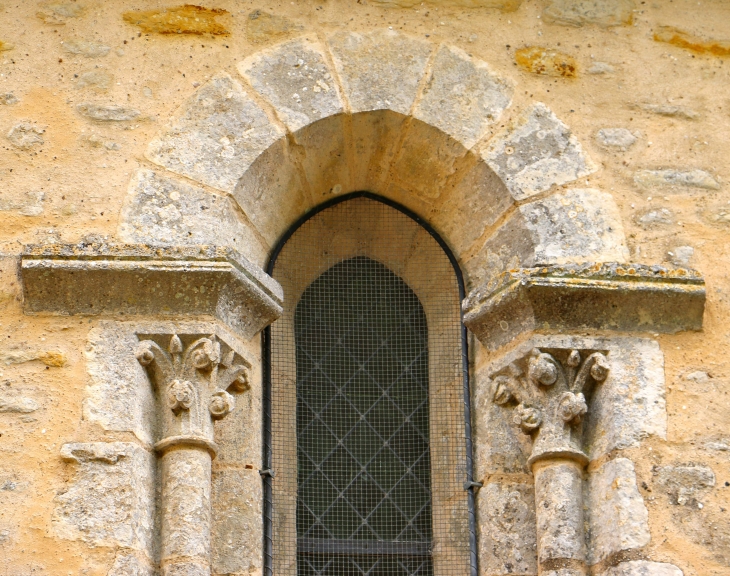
(536, 153)
(142, 279)
(609, 296)
(462, 96)
(215, 135)
(296, 79)
(379, 70)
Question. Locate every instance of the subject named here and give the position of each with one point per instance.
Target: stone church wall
(557, 132)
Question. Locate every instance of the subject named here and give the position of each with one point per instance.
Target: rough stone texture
(617, 517)
(132, 565)
(295, 78)
(685, 482)
(88, 48)
(380, 69)
(681, 256)
(676, 179)
(604, 13)
(163, 210)
(619, 138)
(26, 135)
(263, 27)
(22, 352)
(119, 396)
(463, 96)
(643, 568)
(17, 404)
(110, 501)
(559, 511)
(215, 135)
(627, 407)
(577, 297)
(601, 68)
(102, 113)
(670, 110)
(8, 99)
(28, 204)
(506, 525)
(577, 225)
(140, 279)
(503, 5)
(537, 153)
(238, 502)
(655, 218)
(546, 62)
(98, 80)
(186, 508)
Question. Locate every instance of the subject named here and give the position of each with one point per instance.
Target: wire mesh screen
(367, 417)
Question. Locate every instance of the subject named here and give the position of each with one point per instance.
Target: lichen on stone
(546, 62)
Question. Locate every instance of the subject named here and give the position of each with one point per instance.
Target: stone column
(547, 391)
(194, 386)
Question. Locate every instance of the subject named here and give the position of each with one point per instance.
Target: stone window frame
(448, 549)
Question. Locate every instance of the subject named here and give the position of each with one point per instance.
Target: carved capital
(195, 378)
(547, 391)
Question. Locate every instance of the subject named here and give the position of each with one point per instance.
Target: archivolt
(390, 114)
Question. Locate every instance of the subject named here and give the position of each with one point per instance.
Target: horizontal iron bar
(362, 547)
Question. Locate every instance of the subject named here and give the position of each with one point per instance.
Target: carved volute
(195, 386)
(547, 391)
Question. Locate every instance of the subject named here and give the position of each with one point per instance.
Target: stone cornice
(150, 280)
(622, 297)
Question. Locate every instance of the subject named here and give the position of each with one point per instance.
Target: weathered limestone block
(380, 69)
(118, 396)
(631, 404)
(110, 501)
(295, 79)
(463, 97)
(537, 153)
(643, 568)
(684, 483)
(237, 512)
(375, 139)
(215, 135)
(579, 224)
(617, 517)
(673, 178)
(506, 529)
(163, 210)
(604, 13)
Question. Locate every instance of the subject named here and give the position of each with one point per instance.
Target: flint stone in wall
(295, 78)
(506, 529)
(537, 153)
(110, 500)
(617, 517)
(463, 97)
(237, 513)
(643, 568)
(381, 69)
(215, 135)
(119, 394)
(163, 210)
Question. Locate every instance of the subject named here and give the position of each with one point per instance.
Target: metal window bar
(325, 543)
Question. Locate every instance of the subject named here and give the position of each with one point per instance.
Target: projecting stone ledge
(623, 297)
(135, 279)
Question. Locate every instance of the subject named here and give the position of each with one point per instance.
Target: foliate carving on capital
(195, 378)
(547, 391)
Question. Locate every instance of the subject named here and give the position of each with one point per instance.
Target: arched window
(367, 436)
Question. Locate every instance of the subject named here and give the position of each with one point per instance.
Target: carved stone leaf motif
(547, 395)
(194, 382)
